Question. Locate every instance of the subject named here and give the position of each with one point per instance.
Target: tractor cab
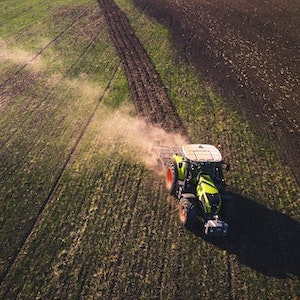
(197, 159)
(195, 177)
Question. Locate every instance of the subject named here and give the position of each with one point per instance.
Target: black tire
(187, 214)
(172, 179)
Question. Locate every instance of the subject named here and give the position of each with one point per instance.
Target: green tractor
(195, 177)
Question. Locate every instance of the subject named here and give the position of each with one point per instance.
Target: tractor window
(214, 170)
(207, 169)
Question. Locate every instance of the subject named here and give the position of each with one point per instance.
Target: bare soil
(249, 50)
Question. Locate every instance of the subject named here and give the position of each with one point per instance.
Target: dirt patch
(249, 52)
(20, 81)
(17, 85)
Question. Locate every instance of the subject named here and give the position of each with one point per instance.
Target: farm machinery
(194, 175)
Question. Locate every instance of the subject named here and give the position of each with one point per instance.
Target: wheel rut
(148, 92)
(14, 77)
(17, 253)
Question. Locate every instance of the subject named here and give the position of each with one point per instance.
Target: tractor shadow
(263, 239)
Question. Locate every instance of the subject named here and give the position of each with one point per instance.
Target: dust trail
(20, 57)
(137, 137)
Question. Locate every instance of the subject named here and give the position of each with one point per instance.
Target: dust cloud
(138, 137)
(20, 57)
(131, 135)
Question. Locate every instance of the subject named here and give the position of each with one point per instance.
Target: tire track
(231, 275)
(8, 81)
(26, 10)
(53, 188)
(147, 89)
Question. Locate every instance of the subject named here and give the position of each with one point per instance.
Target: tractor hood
(209, 195)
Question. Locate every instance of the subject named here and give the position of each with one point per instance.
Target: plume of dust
(139, 137)
(20, 56)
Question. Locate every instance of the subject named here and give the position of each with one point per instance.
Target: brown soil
(249, 50)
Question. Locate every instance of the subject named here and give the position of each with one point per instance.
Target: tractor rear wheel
(187, 213)
(172, 179)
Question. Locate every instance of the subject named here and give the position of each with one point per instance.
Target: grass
(108, 226)
(55, 104)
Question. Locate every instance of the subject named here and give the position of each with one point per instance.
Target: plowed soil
(148, 92)
(249, 50)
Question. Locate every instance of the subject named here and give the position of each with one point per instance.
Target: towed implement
(194, 175)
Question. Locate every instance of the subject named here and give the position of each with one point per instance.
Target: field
(249, 52)
(86, 88)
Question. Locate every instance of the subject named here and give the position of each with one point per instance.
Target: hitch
(216, 227)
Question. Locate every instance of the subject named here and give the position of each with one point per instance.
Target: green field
(83, 214)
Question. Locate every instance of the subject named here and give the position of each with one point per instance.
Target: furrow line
(230, 276)
(136, 72)
(141, 62)
(54, 40)
(52, 190)
(159, 105)
(139, 85)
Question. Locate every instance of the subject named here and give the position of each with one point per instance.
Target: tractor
(194, 175)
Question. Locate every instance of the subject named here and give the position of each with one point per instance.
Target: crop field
(86, 89)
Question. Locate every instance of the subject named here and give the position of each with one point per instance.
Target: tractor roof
(202, 153)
